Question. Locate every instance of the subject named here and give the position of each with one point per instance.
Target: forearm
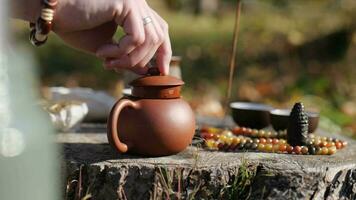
(27, 10)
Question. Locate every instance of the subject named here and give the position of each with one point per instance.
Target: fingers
(141, 42)
(164, 52)
(133, 38)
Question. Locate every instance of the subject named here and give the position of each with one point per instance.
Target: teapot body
(153, 127)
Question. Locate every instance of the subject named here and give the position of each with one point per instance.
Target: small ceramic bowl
(252, 115)
(280, 118)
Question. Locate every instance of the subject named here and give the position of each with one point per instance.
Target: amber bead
(261, 133)
(282, 147)
(324, 150)
(338, 145)
(269, 147)
(235, 140)
(297, 149)
(344, 144)
(281, 141)
(275, 141)
(236, 130)
(227, 133)
(228, 140)
(223, 138)
(317, 142)
(248, 131)
(290, 149)
(263, 141)
(323, 144)
(216, 136)
(275, 147)
(305, 150)
(210, 144)
(268, 134)
(331, 150)
(207, 135)
(204, 129)
(254, 133)
(330, 144)
(261, 147)
(318, 151)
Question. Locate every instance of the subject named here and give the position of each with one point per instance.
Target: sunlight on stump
(93, 168)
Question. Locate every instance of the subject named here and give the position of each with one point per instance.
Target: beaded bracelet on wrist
(246, 139)
(42, 27)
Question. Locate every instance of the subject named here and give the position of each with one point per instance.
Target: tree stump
(92, 169)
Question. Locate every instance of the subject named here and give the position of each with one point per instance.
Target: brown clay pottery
(154, 120)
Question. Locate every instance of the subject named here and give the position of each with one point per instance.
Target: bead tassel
(40, 30)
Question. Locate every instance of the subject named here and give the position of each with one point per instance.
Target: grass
(239, 187)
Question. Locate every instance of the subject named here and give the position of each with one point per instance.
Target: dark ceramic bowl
(280, 118)
(252, 115)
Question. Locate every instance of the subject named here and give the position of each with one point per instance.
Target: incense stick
(233, 55)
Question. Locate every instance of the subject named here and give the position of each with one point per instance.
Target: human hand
(90, 25)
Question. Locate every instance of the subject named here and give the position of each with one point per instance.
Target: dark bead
(233, 147)
(336, 140)
(240, 146)
(33, 39)
(248, 145)
(254, 146)
(43, 27)
(312, 150)
(329, 139)
(221, 146)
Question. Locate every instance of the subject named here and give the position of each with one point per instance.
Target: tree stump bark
(92, 169)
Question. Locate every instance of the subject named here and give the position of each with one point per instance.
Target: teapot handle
(113, 124)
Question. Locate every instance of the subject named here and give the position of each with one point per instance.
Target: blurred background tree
(287, 51)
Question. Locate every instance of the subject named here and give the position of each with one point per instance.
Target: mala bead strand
(39, 31)
(245, 139)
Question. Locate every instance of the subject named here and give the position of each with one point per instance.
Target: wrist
(27, 10)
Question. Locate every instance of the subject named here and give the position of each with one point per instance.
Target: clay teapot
(154, 120)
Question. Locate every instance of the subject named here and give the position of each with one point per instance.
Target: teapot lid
(156, 81)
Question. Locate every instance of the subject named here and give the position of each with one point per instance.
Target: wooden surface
(91, 167)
